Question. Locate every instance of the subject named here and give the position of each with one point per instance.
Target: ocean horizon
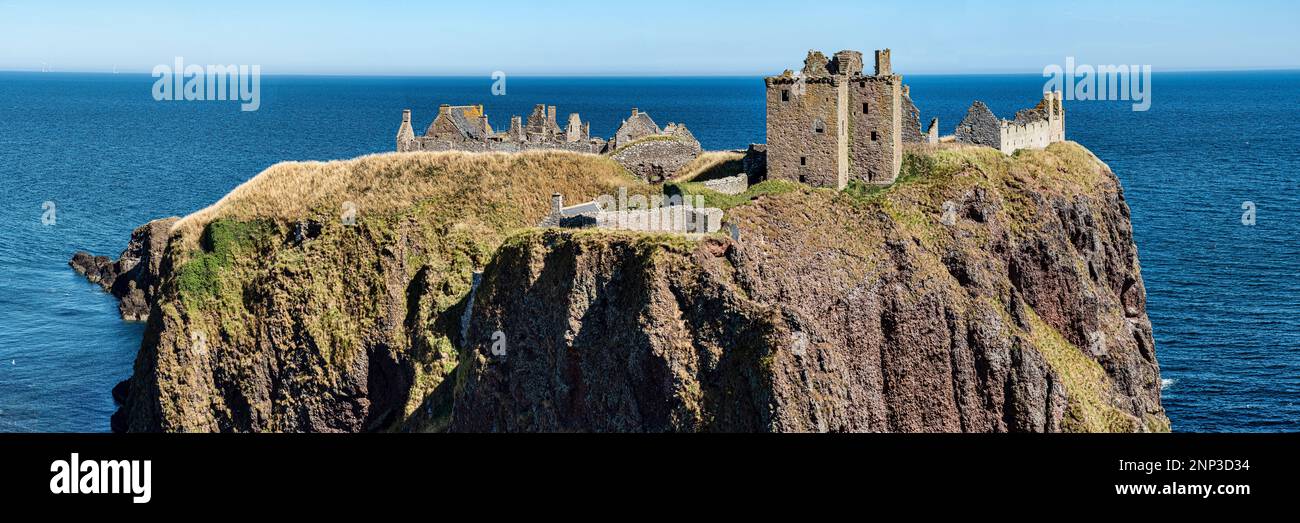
(1223, 297)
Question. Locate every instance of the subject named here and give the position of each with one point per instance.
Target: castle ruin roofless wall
(1034, 128)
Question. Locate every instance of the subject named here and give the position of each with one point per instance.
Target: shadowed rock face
(133, 277)
(1006, 303)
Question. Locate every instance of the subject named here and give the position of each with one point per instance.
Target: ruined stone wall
(980, 127)
(1032, 135)
(730, 185)
(425, 143)
(803, 130)
(875, 130)
(657, 158)
(911, 119)
(755, 162)
(1033, 128)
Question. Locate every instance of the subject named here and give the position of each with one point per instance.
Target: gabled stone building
(833, 122)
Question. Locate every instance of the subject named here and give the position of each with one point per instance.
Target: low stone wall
(657, 159)
(730, 185)
(679, 219)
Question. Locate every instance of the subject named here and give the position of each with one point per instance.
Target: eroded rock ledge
(133, 277)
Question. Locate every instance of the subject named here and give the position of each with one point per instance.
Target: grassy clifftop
(981, 292)
(323, 296)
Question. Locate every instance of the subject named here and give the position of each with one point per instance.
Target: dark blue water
(1224, 298)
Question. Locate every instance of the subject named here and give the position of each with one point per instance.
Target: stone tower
(833, 123)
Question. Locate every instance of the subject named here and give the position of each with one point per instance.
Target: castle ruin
(1033, 128)
(832, 123)
(639, 145)
(466, 128)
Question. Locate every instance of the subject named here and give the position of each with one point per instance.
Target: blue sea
(1224, 297)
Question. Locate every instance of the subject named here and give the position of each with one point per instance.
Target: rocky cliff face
(133, 277)
(980, 293)
(325, 297)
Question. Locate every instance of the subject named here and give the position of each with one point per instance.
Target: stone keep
(832, 123)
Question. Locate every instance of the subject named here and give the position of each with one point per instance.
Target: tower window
(803, 160)
(875, 136)
(819, 126)
(785, 95)
(865, 107)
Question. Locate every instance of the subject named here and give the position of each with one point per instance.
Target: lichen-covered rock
(133, 277)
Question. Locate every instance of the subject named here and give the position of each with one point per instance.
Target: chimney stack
(883, 67)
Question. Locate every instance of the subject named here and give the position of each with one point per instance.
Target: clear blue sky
(670, 37)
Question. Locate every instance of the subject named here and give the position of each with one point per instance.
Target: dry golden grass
(391, 182)
(706, 163)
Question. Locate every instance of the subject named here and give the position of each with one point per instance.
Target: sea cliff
(979, 293)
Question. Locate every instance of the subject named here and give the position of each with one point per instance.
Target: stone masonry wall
(980, 127)
(876, 130)
(730, 185)
(423, 143)
(911, 120)
(802, 131)
(657, 158)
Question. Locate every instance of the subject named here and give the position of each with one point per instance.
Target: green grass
(200, 277)
(728, 201)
